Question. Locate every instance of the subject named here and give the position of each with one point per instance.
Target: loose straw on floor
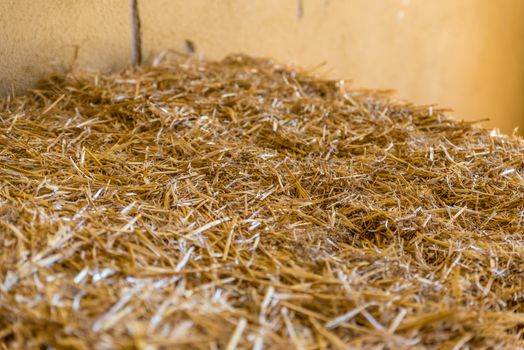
(243, 204)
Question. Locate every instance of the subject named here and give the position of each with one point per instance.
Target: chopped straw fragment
(242, 204)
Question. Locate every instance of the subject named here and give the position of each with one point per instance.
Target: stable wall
(464, 54)
(40, 36)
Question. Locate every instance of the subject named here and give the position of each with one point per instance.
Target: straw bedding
(242, 204)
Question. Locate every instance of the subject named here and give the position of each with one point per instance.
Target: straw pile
(242, 204)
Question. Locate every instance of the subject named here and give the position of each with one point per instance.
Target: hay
(241, 204)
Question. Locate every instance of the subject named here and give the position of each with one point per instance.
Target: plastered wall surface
(40, 36)
(463, 54)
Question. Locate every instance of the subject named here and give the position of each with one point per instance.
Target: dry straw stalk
(242, 204)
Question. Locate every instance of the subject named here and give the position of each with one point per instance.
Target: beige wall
(464, 54)
(38, 36)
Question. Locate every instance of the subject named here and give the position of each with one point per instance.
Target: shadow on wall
(463, 54)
